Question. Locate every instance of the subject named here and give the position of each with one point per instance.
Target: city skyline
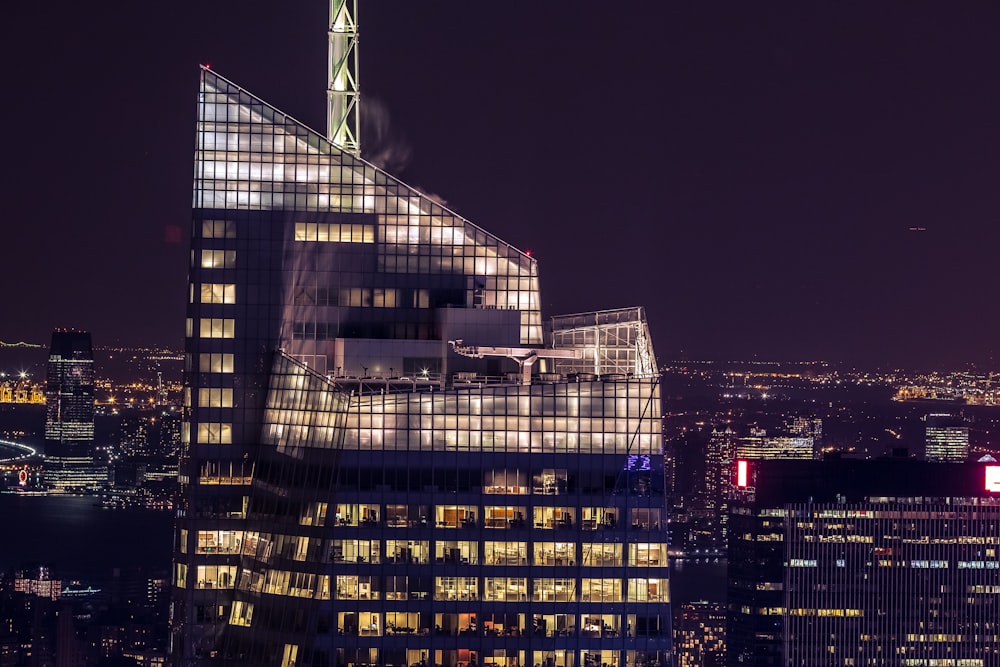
(814, 181)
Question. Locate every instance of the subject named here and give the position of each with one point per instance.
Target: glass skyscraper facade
(947, 438)
(69, 414)
(389, 458)
(847, 562)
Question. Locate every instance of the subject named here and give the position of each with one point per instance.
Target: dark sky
(748, 171)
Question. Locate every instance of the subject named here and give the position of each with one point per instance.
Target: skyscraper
(850, 562)
(388, 458)
(947, 438)
(69, 413)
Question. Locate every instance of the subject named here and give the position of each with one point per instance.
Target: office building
(700, 634)
(69, 414)
(850, 562)
(389, 459)
(947, 438)
(758, 445)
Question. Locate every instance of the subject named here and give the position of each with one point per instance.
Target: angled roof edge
(206, 70)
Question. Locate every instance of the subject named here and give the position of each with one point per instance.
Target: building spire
(343, 122)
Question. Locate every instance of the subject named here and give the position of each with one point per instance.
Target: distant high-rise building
(69, 395)
(718, 481)
(69, 414)
(947, 438)
(806, 427)
(38, 581)
(170, 436)
(134, 434)
(852, 562)
(700, 634)
(387, 460)
(758, 445)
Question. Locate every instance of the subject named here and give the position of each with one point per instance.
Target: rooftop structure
(387, 460)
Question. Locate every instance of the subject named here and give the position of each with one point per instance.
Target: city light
(742, 479)
(993, 479)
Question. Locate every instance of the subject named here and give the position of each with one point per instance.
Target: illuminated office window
(554, 517)
(218, 259)
(215, 327)
(505, 553)
(218, 229)
(215, 363)
(503, 516)
(601, 590)
(505, 589)
(218, 293)
(242, 613)
(215, 398)
(456, 588)
(554, 553)
(216, 576)
(354, 587)
(219, 541)
(553, 590)
(215, 433)
(647, 553)
(648, 590)
(334, 233)
(601, 555)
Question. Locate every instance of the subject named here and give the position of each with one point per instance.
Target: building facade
(700, 634)
(69, 414)
(847, 562)
(947, 438)
(388, 460)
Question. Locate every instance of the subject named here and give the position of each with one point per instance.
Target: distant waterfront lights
(26, 451)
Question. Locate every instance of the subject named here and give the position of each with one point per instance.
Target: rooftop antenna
(343, 98)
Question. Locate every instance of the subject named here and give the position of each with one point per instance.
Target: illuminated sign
(742, 476)
(993, 479)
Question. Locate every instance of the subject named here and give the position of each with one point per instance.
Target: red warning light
(742, 474)
(993, 479)
(22, 477)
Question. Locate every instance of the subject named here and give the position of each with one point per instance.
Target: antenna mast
(343, 98)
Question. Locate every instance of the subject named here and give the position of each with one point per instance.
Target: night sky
(748, 171)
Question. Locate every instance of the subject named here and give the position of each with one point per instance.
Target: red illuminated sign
(993, 479)
(742, 474)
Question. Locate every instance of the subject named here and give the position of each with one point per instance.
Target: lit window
(218, 293)
(216, 576)
(555, 553)
(218, 259)
(647, 590)
(602, 555)
(242, 613)
(217, 328)
(215, 398)
(215, 433)
(215, 363)
(643, 553)
(218, 229)
(333, 232)
(601, 590)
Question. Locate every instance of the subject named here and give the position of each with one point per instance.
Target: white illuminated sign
(993, 479)
(742, 476)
